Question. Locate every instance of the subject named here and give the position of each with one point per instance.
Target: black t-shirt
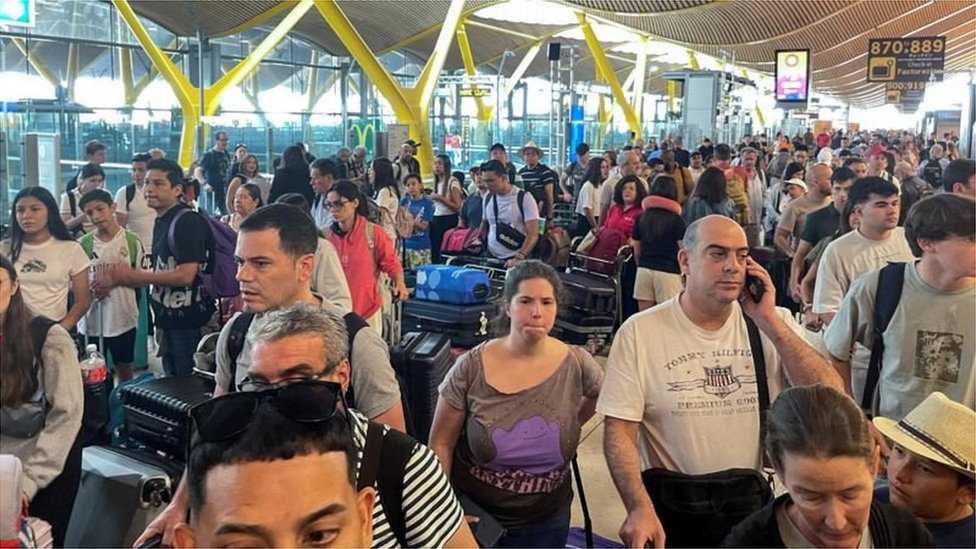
(180, 307)
(535, 180)
(660, 254)
(216, 168)
(820, 224)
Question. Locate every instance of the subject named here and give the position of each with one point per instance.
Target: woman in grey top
(40, 405)
(508, 419)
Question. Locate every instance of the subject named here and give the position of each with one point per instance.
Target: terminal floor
(606, 509)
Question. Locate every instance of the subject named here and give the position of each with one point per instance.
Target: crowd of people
(781, 293)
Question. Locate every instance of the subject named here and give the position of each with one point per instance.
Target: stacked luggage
(455, 301)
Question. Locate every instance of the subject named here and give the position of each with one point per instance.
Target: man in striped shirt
(538, 179)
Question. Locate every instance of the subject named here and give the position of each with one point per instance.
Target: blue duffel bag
(451, 284)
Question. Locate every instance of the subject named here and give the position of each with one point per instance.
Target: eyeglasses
(337, 204)
(228, 416)
(249, 385)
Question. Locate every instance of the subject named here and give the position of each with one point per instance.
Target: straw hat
(798, 182)
(530, 145)
(937, 429)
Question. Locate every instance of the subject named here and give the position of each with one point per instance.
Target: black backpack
(932, 172)
(886, 298)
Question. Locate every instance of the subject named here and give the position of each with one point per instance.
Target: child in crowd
(417, 246)
(113, 316)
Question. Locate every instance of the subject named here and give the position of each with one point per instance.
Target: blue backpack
(218, 277)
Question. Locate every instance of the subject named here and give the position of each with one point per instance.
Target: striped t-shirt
(431, 511)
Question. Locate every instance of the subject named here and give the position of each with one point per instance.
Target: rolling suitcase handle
(587, 522)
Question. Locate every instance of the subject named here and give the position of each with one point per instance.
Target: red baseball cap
(877, 149)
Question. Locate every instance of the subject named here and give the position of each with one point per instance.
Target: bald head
(707, 226)
(818, 178)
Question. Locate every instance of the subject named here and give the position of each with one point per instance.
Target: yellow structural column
(484, 111)
(600, 58)
(186, 93)
(411, 105)
(35, 62)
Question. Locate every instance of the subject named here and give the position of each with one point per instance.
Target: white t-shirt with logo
(141, 217)
(508, 212)
(45, 271)
(693, 391)
(119, 310)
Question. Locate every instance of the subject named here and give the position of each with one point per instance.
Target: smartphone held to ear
(754, 288)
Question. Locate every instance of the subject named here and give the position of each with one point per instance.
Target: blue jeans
(551, 532)
(180, 346)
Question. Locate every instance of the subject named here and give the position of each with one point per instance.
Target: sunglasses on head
(228, 416)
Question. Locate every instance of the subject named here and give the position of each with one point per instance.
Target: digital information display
(792, 76)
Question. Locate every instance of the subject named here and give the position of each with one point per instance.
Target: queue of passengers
(713, 388)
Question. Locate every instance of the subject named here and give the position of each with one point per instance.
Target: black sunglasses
(228, 416)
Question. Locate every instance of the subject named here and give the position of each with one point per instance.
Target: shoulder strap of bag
(392, 450)
(235, 343)
(72, 203)
(130, 195)
(354, 323)
(39, 328)
(87, 242)
(886, 298)
(762, 383)
(171, 233)
(132, 242)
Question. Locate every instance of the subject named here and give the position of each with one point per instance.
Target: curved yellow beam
(484, 111)
(600, 58)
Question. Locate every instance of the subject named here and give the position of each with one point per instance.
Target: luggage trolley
(595, 305)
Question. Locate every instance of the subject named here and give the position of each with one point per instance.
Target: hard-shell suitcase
(590, 292)
(465, 325)
(157, 412)
(577, 328)
(452, 284)
(121, 492)
(422, 360)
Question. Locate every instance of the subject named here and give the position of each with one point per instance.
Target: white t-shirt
(141, 217)
(693, 391)
(756, 188)
(45, 272)
(930, 343)
(65, 209)
(321, 213)
(439, 207)
(589, 197)
(387, 199)
(508, 212)
(849, 257)
(119, 310)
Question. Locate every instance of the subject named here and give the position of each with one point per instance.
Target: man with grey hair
(357, 165)
(931, 170)
(686, 376)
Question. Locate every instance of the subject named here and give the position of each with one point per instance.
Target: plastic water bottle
(93, 369)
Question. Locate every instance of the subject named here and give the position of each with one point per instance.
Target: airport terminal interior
(621, 269)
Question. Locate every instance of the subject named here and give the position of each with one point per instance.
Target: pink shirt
(623, 219)
(362, 268)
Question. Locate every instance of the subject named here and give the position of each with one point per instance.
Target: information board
(913, 59)
(898, 93)
(792, 76)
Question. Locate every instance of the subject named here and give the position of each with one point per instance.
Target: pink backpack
(461, 241)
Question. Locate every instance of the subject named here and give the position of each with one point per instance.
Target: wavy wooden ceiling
(836, 32)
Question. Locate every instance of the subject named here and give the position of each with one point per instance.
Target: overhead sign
(792, 76)
(475, 92)
(17, 13)
(914, 59)
(898, 93)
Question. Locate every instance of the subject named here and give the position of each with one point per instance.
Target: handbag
(461, 241)
(507, 235)
(700, 510)
(588, 241)
(28, 419)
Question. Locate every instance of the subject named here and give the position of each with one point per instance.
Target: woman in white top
(589, 204)
(92, 176)
(49, 262)
(249, 172)
(447, 197)
(387, 193)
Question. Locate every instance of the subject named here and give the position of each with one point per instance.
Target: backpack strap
(354, 323)
(132, 242)
(235, 343)
(891, 278)
(39, 328)
(762, 383)
(171, 233)
(392, 450)
(130, 195)
(87, 242)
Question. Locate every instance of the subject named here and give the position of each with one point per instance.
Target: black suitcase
(465, 325)
(592, 293)
(422, 359)
(577, 328)
(120, 493)
(157, 412)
